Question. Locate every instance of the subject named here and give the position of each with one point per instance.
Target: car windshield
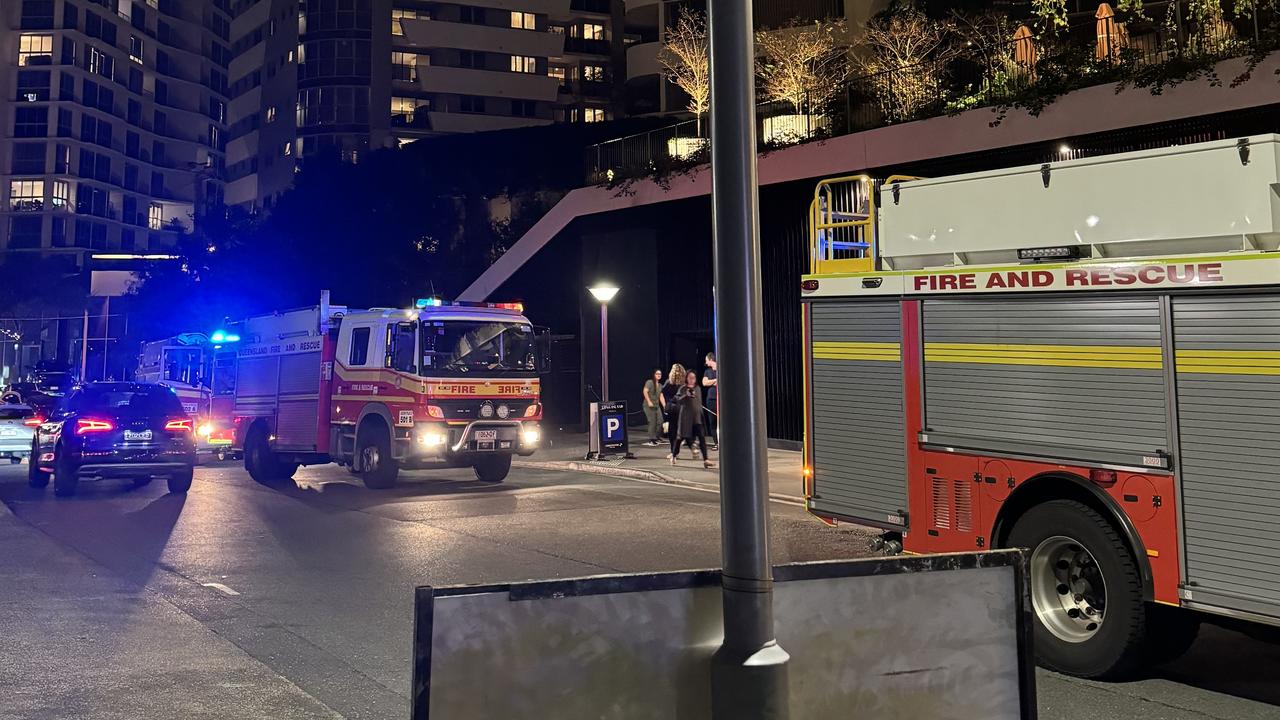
(127, 400)
(458, 347)
(53, 381)
(15, 412)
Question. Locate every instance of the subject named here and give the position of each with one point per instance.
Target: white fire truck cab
(202, 374)
(434, 386)
(1080, 358)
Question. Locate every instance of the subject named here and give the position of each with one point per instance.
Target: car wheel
(180, 481)
(1090, 617)
(493, 468)
(378, 469)
(15, 461)
(36, 477)
(65, 475)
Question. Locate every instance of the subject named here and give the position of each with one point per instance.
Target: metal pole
(604, 352)
(106, 333)
(749, 672)
(84, 347)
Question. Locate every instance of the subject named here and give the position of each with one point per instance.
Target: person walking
(674, 380)
(712, 394)
(689, 400)
(654, 405)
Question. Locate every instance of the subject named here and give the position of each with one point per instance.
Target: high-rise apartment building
(344, 77)
(112, 121)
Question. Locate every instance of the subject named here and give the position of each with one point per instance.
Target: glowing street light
(603, 293)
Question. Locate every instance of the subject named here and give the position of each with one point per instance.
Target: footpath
(566, 452)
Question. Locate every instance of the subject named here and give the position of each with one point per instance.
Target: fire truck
(201, 371)
(438, 385)
(1080, 358)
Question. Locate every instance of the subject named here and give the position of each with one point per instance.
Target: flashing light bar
(423, 303)
(1063, 252)
(221, 336)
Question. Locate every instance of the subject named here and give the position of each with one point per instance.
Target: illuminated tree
(685, 57)
(803, 65)
(904, 59)
(1051, 15)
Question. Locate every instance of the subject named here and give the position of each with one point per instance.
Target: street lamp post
(603, 294)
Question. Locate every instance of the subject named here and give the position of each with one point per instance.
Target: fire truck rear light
(808, 285)
(1104, 478)
(435, 411)
(533, 410)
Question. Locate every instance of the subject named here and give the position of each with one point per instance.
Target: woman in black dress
(689, 400)
(674, 380)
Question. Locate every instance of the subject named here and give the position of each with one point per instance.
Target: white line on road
(221, 588)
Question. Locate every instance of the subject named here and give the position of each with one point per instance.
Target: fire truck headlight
(486, 410)
(531, 436)
(432, 437)
(206, 429)
(504, 412)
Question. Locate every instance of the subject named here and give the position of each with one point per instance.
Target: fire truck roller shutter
(858, 443)
(1227, 350)
(299, 400)
(1071, 378)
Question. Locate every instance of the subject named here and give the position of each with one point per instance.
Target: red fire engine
(202, 373)
(437, 385)
(1080, 358)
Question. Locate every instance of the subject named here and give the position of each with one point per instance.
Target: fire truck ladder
(842, 224)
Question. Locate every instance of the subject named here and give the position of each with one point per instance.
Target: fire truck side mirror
(542, 337)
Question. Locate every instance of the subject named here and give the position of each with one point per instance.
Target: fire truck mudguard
(1088, 368)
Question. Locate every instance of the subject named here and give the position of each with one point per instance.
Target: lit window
(523, 20)
(404, 108)
(524, 64)
(288, 148)
(35, 49)
(271, 114)
(155, 216)
(26, 195)
(593, 73)
(61, 194)
(557, 73)
(398, 14)
(135, 48)
(592, 31)
(404, 66)
(593, 115)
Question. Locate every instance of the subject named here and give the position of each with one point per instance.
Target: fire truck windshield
(465, 346)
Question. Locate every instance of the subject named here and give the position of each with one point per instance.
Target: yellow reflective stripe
(829, 350)
(1107, 356)
(1229, 362)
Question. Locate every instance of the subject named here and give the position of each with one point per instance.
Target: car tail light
(179, 425)
(533, 410)
(33, 422)
(84, 425)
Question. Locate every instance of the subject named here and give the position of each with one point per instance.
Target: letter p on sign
(612, 426)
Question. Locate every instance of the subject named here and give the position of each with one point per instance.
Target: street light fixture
(603, 293)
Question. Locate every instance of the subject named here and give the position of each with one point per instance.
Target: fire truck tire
(262, 463)
(1086, 591)
(493, 468)
(36, 477)
(378, 468)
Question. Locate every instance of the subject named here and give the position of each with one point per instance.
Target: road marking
(221, 588)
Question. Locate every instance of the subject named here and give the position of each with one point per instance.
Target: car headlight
(486, 410)
(504, 412)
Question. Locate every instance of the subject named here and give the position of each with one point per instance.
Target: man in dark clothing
(711, 394)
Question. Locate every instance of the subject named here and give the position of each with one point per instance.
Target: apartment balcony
(584, 46)
(490, 83)
(456, 122)
(483, 38)
(642, 60)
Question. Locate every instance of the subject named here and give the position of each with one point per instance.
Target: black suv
(135, 431)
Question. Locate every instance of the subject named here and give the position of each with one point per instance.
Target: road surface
(245, 601)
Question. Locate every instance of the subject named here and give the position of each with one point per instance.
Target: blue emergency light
(221, 336)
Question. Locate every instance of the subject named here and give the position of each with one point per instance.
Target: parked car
(29, 393)
(101, 430)
(17, 429)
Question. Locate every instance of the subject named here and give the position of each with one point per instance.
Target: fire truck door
(1228, 381)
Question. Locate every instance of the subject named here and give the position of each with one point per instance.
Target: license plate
(140, 435)
(486, 435)
(8, 433)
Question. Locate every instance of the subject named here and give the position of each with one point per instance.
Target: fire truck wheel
(36, 477)
(493, 468)
(1085, 589)
(262, 463)
(378, 468)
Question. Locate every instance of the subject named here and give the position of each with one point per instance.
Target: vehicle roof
(120, 385)
(16, 406)
(445, 312)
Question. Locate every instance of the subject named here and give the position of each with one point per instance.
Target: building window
(26, 195)
(37, 14)
(30, 122)
(100, 63)
(155, 216)
(592, 31)
(398, 14)
(271, 114)
(28, 159)
(593, 73)
(473, 15)
(557, 73)
(61, 196)
(523, 20)
(523, 108)
(24, 232)
(58, 233)
(593, 115)
(524, 64)
(61, 159)
(68, 51)
(404, 66)
(35, 49)
(404, 109)
(472, 104)
(33, 85)
(135, 48)
(471, 59)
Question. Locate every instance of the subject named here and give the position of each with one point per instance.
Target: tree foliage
(685, 56)
(804, 65)
(905, 60)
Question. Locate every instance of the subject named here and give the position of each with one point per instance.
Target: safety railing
(842, 223)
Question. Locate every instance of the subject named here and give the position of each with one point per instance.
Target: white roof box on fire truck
(1218, 196)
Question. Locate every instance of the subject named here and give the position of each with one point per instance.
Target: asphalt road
(244, 601)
